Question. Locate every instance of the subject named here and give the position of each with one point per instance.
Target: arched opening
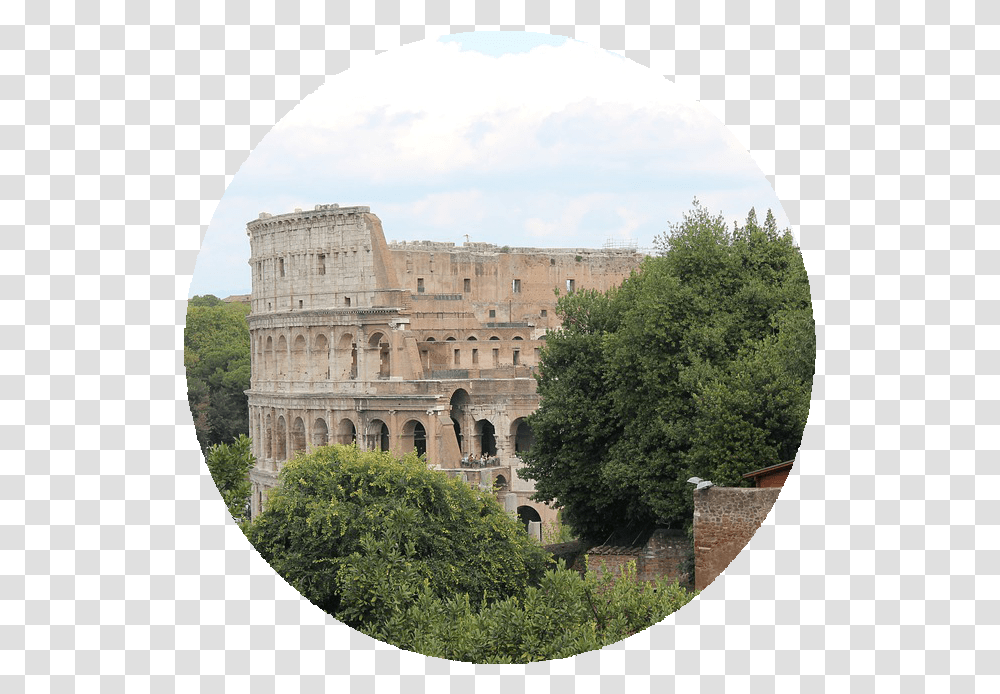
(380, 343)
(500, 484)
(430, 339)
(281, 357)
(414, 437)
(458, 432)
(378, 435)
(487, 438)
(268, 453)
(494, 338)
(320, 433)
(521, 433)
(298, 435)
(347, 357)
(346, 433)
(321, 358)
(526, 514)
(472, 338)
(269, 358)
(450, 339)
(518, 337)
(279, 439)
(300, 370)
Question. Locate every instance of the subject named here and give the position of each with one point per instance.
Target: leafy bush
(229, 465)
(358, 533)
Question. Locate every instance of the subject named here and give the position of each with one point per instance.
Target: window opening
(570, 285)
(467, 285)
(420, 285)
(517, 286)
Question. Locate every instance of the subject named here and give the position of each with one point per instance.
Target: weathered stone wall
(725, 518)
(400, 346)
(664, 554)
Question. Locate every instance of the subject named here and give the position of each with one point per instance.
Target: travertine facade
(400, 346)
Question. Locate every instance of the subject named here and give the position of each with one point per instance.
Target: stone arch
(321, 357)
(347, 355)
(486, 437)
(281, 357)
(500, 483)
(517, 337)
(268, 451)
(430, 339)
(494, 338)
(269, 358)
(521, 435)
(346, 433)
(450, 338)
(458, 433)
(414, 436)
(378, 435)
(298, 435)
(320, 433)
(472, 338)
(460, 402)
(300, 368)
(279, 439)
(526, 514)
(379, 343)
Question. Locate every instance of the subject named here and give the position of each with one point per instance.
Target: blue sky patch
(497, 43)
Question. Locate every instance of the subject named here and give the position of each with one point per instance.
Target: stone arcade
(406, 345)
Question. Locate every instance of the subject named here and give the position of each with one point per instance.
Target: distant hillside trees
(700, 364)
(217, 361)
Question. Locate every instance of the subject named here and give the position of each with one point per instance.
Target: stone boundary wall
(663, 555)
(725, 518)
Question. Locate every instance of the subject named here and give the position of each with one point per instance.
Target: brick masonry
(725, 518)
(662, 555)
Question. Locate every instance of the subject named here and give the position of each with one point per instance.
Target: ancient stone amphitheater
(402, 346)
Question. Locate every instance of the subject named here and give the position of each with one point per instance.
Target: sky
(509, 138)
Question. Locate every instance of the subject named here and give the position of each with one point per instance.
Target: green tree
(229, 464)
(358, 533)
(701, 363)
(565, 615)
(217, 362)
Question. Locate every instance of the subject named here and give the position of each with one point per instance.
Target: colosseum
(401, 346)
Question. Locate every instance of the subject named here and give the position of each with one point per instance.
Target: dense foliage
(427, 563)
(354, 531)
(217, 361)
(229, 464)
(700, 364)
(565, 615)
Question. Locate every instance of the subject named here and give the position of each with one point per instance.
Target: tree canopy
(356, 531)
(425, 562)
(217, 361)
(229, 465)
(700, 364)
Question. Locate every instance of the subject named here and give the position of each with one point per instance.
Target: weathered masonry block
(725, 518)
(402, 346)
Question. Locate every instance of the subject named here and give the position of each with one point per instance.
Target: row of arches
(281, 439)
(304, 361)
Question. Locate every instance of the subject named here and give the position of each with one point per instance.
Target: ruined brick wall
(725, 518)
(664, 555)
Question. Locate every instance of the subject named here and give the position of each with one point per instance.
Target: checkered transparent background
(120, 126)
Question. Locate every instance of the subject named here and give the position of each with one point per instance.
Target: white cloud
(561, 146)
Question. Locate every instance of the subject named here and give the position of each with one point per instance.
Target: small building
(772, 476)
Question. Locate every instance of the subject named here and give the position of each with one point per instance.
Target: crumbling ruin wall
(725, 518)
